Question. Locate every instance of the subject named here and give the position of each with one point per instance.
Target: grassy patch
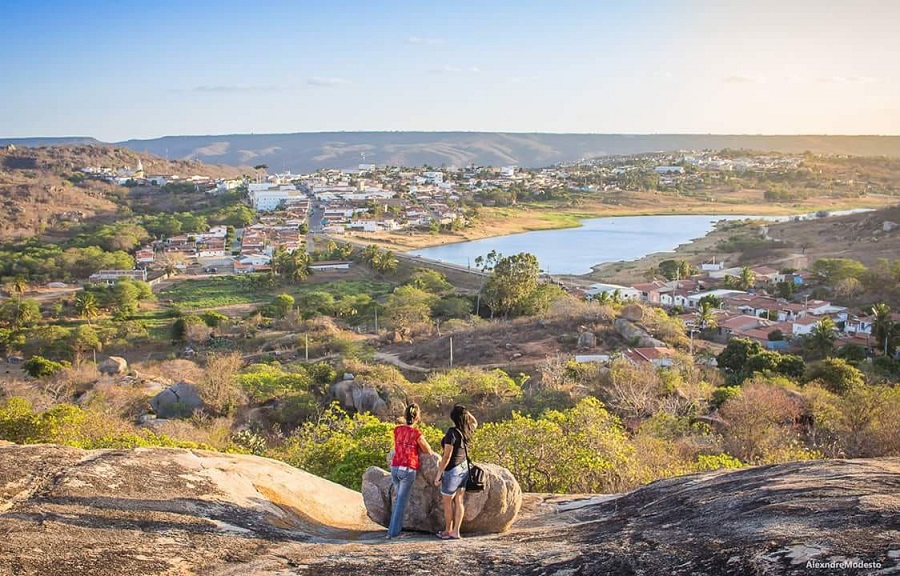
(222, 291)
(211, 292)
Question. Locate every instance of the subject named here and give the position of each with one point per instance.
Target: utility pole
(451, 351)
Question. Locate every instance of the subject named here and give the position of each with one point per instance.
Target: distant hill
(307, 151)
(40, 190)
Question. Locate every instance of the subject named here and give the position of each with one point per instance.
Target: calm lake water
(598, 240)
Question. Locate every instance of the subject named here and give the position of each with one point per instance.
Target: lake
(598, 240)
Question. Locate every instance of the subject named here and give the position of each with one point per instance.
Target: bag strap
(463, 436)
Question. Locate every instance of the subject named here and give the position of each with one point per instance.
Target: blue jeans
(403, 483)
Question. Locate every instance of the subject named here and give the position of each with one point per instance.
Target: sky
(126, 69)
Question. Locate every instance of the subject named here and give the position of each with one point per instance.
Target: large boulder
(358, 396)
(633, 312)
(587, 340)
(177, 401)
(636, 335)
(493, 510)
(114, 366)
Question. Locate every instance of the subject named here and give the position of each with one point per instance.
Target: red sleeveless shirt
(406, 447)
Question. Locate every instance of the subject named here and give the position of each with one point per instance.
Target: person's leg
(447, 501)
(459, 510)
(404, 483)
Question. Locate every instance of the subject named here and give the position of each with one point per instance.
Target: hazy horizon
(118, 72)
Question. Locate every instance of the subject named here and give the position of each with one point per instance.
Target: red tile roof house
(656, 357)
(803, 326)
(651, 291)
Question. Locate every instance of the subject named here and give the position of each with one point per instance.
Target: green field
(222, 291)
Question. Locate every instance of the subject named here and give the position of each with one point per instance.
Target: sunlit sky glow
(128, 69)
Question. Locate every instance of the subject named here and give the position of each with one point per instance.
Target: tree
(835, 374)
(292, 266)
(431, 281)
(676, 269)
(761, 424)
(785, 289)
(736, 353)
(40, 367)
(219, 388)
(408, 308)
(282, 304)
(452, 307)
(485, 264)
(832, 270)
(86, 305)
(190, 329)
(715, 301)
(822, 337)
(513, 280)
(706, 317)
(19, 312)
(885, 330)
(747, 278)
(385, 262)
(85, 339)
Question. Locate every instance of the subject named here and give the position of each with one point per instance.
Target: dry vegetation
(38, 196)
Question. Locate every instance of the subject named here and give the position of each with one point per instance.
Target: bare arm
(425, 447)
(445, 459)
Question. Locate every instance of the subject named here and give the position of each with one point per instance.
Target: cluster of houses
(753, 314)
(137, 177)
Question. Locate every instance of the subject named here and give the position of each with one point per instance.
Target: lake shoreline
(522, 220)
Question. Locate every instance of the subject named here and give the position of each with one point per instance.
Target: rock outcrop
(491, 511)
(156, 512)
(114, 366)
(358, 396)
(635, 334)
(177, 401)
(632, 312)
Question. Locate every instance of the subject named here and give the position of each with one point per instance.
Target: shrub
(40, 367)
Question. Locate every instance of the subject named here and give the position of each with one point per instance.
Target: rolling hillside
(309, 151)
(40, 191)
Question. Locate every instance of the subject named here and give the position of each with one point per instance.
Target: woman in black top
(453, 471)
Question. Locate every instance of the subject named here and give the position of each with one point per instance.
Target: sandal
(443, 535)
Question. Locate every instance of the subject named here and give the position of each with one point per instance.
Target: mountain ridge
(305, 151)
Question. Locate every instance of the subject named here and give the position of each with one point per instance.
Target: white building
(268, 197)
(625, 292)
(669, 170)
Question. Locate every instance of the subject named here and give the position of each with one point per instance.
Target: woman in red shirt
(408, 442)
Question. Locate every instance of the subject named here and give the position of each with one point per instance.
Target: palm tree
(19, 285)
(370, 253)
(823, 335)
(706, 317)
(884, 328)
(747, 278)
(298, 269)
(385, 262)
(86, 305)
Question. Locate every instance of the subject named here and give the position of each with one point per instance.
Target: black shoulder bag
(475, 481)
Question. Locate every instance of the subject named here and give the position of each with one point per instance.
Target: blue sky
(129, 69)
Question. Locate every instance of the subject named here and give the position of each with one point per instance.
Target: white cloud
(424, 41)
(326, 82)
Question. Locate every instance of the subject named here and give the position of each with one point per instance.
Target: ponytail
(411, 414)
